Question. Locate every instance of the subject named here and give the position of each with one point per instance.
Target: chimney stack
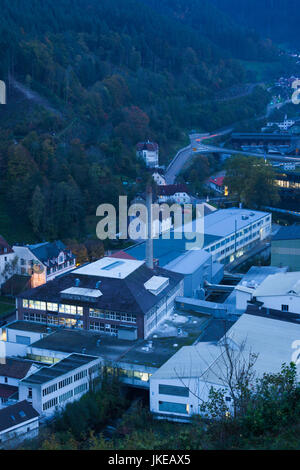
(149, 242)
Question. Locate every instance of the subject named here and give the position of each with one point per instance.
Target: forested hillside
(113, 73)
(276, 19)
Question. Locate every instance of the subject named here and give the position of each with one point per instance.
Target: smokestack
(149, 242)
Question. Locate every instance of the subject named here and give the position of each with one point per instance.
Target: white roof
(279, 284)
(188, 262)
(156, 284)
(189, 361)
(272, 340)
(81, 291)
(111, 267)
(224, 222)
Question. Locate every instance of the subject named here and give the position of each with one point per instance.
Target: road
(197, 147)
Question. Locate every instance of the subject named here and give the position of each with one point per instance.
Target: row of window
(80, 375)
(110, 315)
(55, 321)
(104, 327)
(65, 382)
(50, 389)
(53, 307)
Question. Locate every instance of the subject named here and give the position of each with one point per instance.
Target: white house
(51, 388)
(44, 261)
(12, 370)
(159, 178)
(177, 193)
(149, 152)
(18, 422)
(278, 292)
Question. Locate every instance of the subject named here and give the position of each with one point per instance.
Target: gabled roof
(150, 146)
(219, 181)
(16, 414)
(291, 232)
(15, 368)
(48, 250)
(7, 391)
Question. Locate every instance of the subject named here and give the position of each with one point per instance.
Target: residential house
(18, 422)
(44, 261)
(149, 152)
(7, 257)
(176, 193)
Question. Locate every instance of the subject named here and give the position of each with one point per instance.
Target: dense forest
(87, 80)
(275, 19)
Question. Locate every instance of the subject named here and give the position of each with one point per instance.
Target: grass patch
(7, 305)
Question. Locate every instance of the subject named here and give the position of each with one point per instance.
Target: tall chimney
(149, 242)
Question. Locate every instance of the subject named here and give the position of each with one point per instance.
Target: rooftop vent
(83, 351)
(245, 217)
(77, 282)
(98, 283)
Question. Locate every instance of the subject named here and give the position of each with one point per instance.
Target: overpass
(197, 147)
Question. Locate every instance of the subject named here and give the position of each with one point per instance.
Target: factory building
(120, 297)
(51, 388)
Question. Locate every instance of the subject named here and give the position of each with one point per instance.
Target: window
(80, 389)
(65, 382)
(284, 308)
(50, 389)
(29, 393)
(173, 390)
(66, 396)
(50, 404)
(173, 407)
(5, 380)
(80, 375)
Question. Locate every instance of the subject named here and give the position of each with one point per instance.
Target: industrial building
(120, 297)
(182, 384)
(228, 234)
(51, 388)
(285, 248)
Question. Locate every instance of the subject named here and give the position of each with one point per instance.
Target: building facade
(110, 295)
(51, 388)
(149, 152)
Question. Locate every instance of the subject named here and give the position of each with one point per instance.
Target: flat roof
(224, 222)
(168, 250)
(189, 262)
(29, 326)
(114, 350)
(271, 340)
(110, 267)
(68, 364)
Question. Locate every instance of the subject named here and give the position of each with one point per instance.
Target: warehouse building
(182, 384)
